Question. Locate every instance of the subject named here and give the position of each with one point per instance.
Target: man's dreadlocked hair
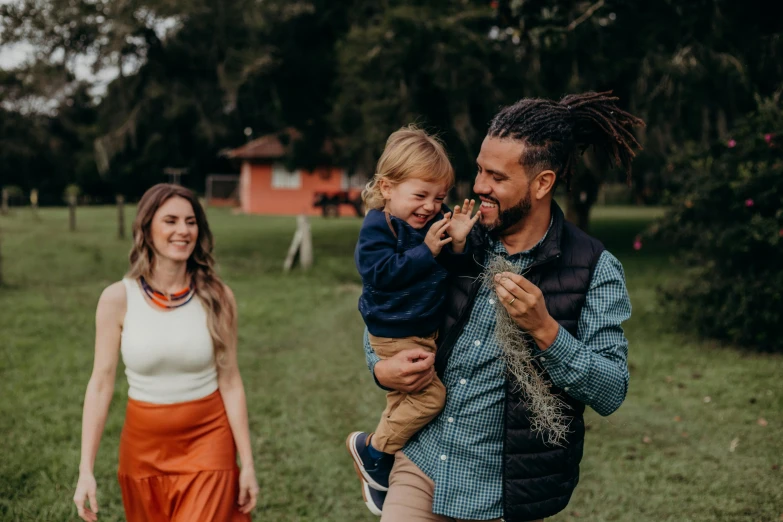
(553, 132)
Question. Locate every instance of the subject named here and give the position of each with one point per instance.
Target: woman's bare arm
(108, 328)
(233, 392)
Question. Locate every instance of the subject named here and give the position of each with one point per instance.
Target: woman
(174, 322)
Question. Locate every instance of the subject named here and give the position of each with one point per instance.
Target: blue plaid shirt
(461, 449)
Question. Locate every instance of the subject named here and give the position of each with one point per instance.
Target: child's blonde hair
(409, 152)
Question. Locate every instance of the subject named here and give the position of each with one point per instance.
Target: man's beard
(510, 217)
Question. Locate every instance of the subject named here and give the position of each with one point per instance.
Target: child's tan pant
(406, 413)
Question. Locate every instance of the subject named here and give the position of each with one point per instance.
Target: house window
(284, 179)
(352, 182)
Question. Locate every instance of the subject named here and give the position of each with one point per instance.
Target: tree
(193, 74)
(688, 69)
(425, 62)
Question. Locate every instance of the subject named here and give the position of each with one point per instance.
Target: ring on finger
(512, 301)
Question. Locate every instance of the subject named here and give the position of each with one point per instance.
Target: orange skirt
(178, 463)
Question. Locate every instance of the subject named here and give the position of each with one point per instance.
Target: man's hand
(462, 223)
(434, 238)
(525, 304)
(409, 371)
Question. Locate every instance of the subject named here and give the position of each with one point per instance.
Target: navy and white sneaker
(375, 472)
(373, 499)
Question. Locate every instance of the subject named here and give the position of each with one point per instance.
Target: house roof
(270, 146)
(274, 146)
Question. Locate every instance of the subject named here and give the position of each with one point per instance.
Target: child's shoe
(373, 471)
(373, 499)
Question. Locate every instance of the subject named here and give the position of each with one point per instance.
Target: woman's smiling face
(174, 230)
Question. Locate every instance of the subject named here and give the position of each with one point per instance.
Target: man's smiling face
(502, 184)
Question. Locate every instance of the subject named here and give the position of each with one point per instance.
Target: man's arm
(594, 368)
(371, 357)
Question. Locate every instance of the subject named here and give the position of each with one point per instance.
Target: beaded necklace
(160, 299)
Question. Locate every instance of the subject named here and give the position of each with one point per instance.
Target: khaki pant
(410, 495)
(406, 413)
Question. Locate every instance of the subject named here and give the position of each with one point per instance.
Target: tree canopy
(192, 74)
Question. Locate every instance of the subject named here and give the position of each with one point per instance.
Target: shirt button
(463, 381)
(443, 457)
(451, 419)
(565, 389)
(477, 342)
(491, 301)
(542, 359)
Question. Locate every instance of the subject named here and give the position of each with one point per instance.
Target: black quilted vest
(538, 480)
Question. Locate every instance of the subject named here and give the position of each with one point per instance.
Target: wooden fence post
(72, 212)
(1, 257)
(302, 244)
(34, 203)
(120, 216)
(306, 252)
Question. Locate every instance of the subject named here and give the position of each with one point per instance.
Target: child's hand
(462, 223)
(434, 238)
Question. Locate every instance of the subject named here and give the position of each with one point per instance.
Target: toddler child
(403, 233)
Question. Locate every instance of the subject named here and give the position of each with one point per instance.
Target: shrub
(15, 194)
(615, 194)
(727, 223)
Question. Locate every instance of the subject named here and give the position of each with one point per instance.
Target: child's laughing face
(414, 200)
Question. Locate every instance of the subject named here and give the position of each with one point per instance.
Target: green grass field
(689, 444)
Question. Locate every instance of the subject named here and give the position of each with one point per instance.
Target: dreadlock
(554, 132)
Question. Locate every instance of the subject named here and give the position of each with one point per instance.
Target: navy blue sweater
(403, 284)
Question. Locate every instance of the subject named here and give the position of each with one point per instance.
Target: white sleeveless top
(169, 356)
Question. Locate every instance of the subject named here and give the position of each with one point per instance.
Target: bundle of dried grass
(547, 410)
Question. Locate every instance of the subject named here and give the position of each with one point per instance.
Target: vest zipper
(505, 408)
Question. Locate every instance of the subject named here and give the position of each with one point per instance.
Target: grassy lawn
(689, 444)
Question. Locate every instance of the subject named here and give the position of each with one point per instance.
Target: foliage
(616, 194)
(688, 69)
(425, 62)
(728, 221)
(72, 191)
(193, 74)
(14, 192)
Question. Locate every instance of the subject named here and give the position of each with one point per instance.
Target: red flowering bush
(727, 223)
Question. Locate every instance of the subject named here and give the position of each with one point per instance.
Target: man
(480, 459)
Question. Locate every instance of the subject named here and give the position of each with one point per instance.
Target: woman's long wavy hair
(221, 316)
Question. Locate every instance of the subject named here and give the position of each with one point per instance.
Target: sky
(14, 55)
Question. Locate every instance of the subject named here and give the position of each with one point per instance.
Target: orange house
(266, 186)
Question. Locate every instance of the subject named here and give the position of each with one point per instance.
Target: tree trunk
(1, 257)
(585, 186)
(705, 125)
(72, 213)
(120, 216)
(578, 209)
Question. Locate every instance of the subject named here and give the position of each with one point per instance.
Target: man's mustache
(495, 201)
